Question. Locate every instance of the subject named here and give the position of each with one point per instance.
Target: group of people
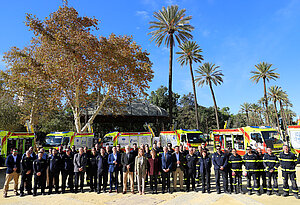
(158, 165)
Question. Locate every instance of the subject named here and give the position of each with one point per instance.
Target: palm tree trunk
(276, 114)
(170, 82)
(215, 104)
(247, 115)
(283, 116)
(195, 98)
(266, 102)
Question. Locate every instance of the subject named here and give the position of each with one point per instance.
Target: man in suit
(114, 162)
(13, 163)
(80, 161)
(178, 169)
(127, 161)
(166, 165)
(102, 170)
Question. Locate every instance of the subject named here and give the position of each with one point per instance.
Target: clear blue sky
(234, 34)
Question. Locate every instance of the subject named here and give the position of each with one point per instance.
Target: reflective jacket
(260, 163)
(251, 162)
(271, 162)
(236, 163)
(288, 161)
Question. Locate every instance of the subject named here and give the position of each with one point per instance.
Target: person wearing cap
(13, 163)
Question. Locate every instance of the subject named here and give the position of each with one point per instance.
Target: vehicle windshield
(195, 138)
(271, 135)
(53, 140)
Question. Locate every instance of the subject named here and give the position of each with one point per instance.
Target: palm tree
(265, 73)
(172, 25)
(209, 74)
(283, 97)
(190, 52)
(246, 108)
(274, 93)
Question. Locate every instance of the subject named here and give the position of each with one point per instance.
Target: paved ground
(161, 199)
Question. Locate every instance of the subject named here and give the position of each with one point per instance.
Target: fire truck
(254, 136)
(20, 140)
(127, 138)
(294, 134)
(56, 139)
(190, 138)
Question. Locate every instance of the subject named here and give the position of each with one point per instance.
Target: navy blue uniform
(236, 163)
(271, 163)
(26, 164)
(261, 175)
(92, 163)
(67, 172)
(39, 165)
(251, 169)
(204, 170)
(54, 169)
(192, 161)
(220, 160)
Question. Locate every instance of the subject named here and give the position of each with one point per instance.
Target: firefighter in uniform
(229, 170)
(288, 165)
(199, 155)
(236, 162)
(204, 169)
(192, 160)
(54, 169)
(93, 167)
(261, 175)
(39, 171)
(271, 164)
(220, 162)
(250, 160)
(26, 174)
(68, 171)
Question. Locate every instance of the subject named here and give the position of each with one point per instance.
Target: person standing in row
(288, 164)
(127, 162)
(236, 162)
(68, 171)
(192, 161)
(92, 161)
(166, 165)
(13, 163)
(228, 171)
(250, 160)
(153, 171)
(140, 167)
(261, 174)
(26, 173)
(39, 171)
(80, 161)
(220, 162)
(114, 162)
(271, 164)
(178, 169)
(102, 170)
(204, 170)
(120, 174)
(54, 169)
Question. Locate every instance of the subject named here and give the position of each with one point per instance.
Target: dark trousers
(205, 180)
(69, 175)
(237, 180)
(218, 174)
(165, 180)
(88, 175)
(153, 181)
(113, 180)
(272, 176)
(254, 178)
(191, 175)
(93, 179)
(102, 181)
(285, 177)
(229, 176)
(55, 176)
(79, 175)
(121, 177)
(262, 177)
(26, 178)
(39, 181)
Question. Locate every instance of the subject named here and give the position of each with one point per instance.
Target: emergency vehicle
(56, 139)
(294, 135)
(127, 138)
(190, 138)
(20, 140)
(254, 136)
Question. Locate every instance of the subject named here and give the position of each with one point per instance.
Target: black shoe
(104, 191)
(208, 191)
(98, 192)
(44, 193)
(227, 192)
(218, 192)
(285, 194)
(49, 193)
(187, 190)
(264, 191)
(174, 190)
(203, 191)
(81, 191)
(163, 191)
(63, 191)
(249, 193)
(195, 190)
(91, 190)
(296, 196)
(34, 194)
(181, 190)
(29, 193)
(258, 193)
(277, 194)
(269, 193)
(22, 194)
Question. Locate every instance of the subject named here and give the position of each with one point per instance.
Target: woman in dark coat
(204, 169)
(153, 171)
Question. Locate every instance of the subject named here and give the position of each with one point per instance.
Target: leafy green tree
(264, 73)
(171, 25)
(190, 52)
(208, 74)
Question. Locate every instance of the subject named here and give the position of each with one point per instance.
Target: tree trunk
(276, 114)
(283, 116)
(170, 81)
(195, 97)
(247, 115)
(266, 102)
(215, 104)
